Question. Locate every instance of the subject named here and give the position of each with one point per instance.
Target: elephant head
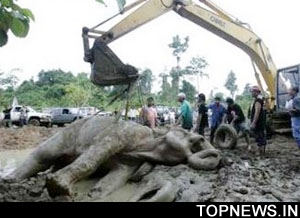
(177, 146)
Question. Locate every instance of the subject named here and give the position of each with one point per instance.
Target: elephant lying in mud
(126, 149)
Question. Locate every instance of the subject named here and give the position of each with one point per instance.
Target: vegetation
(230, 83)
(56, 88)
(245, 99)
(15, 19)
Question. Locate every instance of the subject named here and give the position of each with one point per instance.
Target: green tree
(15, 19)
(189, 90)
(76, 95)
(230, 83)
(165, 95)
(54, 77)
(146, 79)
(196, 67)
(245, 99)
(247, 90)
(179, 47)
(9, 80)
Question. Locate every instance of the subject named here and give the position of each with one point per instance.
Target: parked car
(87, 111)
(105, 114)
(62, 116)
(32, 117)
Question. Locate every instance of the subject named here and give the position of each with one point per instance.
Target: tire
(226, 136)
(34, 122)
(61, 125)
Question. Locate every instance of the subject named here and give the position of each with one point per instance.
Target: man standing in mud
(186, 113)
(236, 117)
(149, 114)
(293, 105)
(202, 120)
(22, 116)
(218, 112)
(257, 118)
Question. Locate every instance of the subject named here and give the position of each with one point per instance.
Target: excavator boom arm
(236, 34)
(215, 20)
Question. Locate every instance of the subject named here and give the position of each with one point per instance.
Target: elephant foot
(57, 186)
(114, 180)
(205, 160)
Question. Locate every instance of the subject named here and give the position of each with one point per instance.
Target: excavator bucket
(108, 69)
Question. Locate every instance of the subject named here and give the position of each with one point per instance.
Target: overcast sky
(54, 40)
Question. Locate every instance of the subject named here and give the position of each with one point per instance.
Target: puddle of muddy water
(124, 194)
(11, 159)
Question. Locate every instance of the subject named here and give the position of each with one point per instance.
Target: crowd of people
(228, 113)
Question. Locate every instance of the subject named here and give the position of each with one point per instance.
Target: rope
(134, 4)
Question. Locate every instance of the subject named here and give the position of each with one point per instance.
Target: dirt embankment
(23, 138)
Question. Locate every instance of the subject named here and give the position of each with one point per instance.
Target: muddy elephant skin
(126, 148)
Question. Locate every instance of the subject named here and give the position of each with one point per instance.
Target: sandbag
(226, 136)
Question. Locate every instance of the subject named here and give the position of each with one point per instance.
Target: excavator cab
(287, 77)
(107, 68)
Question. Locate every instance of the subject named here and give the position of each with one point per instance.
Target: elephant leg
(41, 159)
(86, 164)
(115, 179)
(162, 191)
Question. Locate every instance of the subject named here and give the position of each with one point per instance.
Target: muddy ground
(242, 176)
(16, 138)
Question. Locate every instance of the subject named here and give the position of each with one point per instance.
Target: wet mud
(242, 176)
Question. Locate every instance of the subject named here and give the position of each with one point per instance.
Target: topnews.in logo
(248, 210)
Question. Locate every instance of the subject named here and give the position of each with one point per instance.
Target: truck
(32, 117)
(62, 116)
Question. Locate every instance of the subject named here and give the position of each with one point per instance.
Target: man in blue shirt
(218, 112)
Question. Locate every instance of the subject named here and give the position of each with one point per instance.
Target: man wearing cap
(186, 113)
(202, 120)
(235, 116)
(218, 112)
(257, 118)
(293, 105)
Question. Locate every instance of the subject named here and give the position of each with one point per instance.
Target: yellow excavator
(108, 69)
